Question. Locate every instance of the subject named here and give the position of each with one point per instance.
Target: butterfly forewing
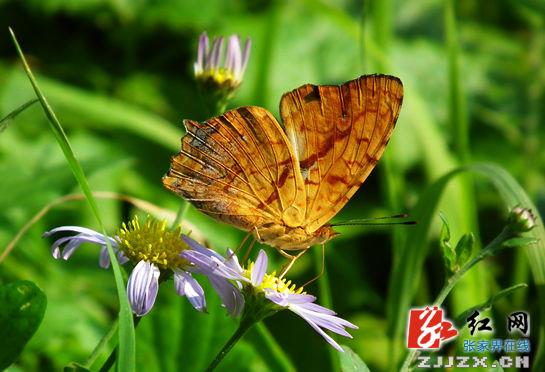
(338, 133)
(239, 168)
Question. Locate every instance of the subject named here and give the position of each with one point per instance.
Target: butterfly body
(293, 238)
(285, 182)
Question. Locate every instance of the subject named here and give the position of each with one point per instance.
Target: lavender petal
(286, 299)
(215, 54)
(211, 265)
(194, 245)
(245, 56)
(330, 322)
(317, 308)
(231, 261)
(260, 268)
(233, 59)
(187, 286)
(321, 332)
(202, 53)
(142, 287)
(104, 258)
(77, 229)
(122, 258)
(230, 296)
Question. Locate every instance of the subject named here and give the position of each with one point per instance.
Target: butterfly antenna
(322, 270)
(375, 221)
(395, 216)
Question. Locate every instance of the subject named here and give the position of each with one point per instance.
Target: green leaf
(464, 248)
(460, 319)
(6, 120)
(75, 367)
(519, 242)
(350, 361)
(23, 307)
(449, 254)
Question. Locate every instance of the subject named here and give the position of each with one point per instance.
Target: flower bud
(521, 219)
(219, 73)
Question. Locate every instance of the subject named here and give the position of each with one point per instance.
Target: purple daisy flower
(153, 247)
(283, 294)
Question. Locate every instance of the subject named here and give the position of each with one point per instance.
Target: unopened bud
(521, 219)
(219, 72)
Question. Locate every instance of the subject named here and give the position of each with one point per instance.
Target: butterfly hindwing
(338, 134)
(239, 168)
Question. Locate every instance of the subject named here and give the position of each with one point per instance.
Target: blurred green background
(118, 74)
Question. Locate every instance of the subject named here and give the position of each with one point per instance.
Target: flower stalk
(245, 324)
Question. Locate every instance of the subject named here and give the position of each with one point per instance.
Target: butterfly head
(325, 234)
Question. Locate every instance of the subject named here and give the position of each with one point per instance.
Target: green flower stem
(104, 341)
(491, 249)
(245, 324)
(111, 359)
(102, 345)
(182, 211)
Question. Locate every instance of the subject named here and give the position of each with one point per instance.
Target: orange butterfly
(285, 182)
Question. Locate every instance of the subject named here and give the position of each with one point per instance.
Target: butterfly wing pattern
(285, 183)
(339, 133)
(239, 168)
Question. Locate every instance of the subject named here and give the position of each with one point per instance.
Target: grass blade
(457, 111)
(126, 356)
(6, 120)
(276, 358)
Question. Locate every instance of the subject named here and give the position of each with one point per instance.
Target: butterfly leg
(248, 251)
(242, 245)
(292, 261)
(243, 242)
(321, 271)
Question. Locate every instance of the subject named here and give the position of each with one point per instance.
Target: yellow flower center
(152, 242)
(221, 77)
(273, 282)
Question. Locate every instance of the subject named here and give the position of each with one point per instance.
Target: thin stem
(111, 359)
(136, 320)
(99, 349)
(458, 116)
(243, 327)
(489, 250)
(182, 211)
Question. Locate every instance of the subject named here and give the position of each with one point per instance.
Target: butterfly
(284, 182)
